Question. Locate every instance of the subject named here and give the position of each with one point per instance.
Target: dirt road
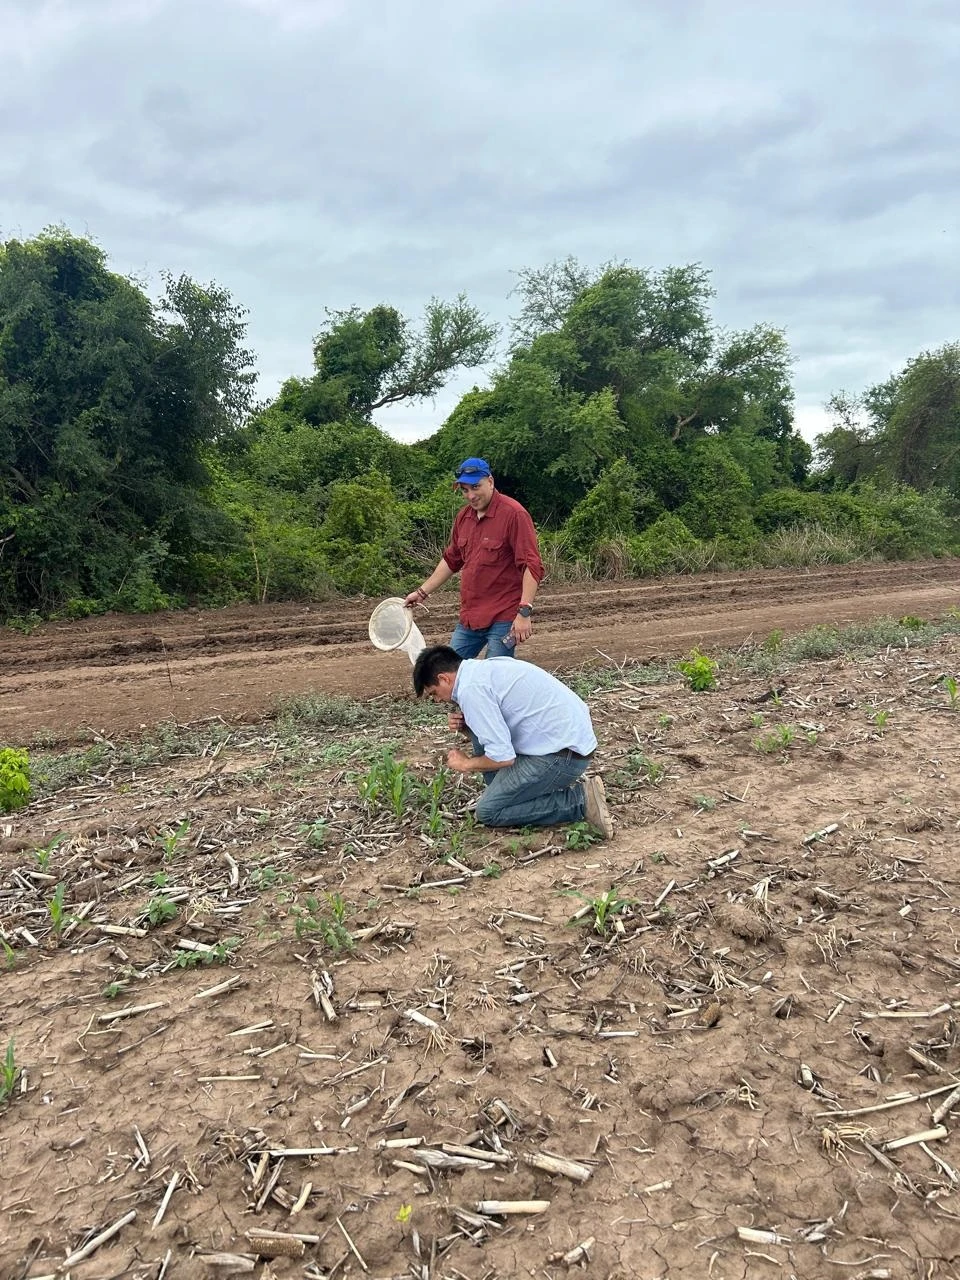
(118, 673)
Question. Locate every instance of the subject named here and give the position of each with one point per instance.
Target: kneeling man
(535, 736)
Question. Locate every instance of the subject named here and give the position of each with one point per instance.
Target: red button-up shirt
(490, 553)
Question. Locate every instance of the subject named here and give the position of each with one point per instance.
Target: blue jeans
(534, 791)
(469, 642)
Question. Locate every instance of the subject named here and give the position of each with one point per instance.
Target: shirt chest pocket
(490, 553)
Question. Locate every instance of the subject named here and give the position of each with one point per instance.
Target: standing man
(535, 736)
(493, 547)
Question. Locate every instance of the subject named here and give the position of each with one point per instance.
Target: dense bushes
(643, 439)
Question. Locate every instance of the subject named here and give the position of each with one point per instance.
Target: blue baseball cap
(472, 470)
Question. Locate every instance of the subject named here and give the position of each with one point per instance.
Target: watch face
(525, 611)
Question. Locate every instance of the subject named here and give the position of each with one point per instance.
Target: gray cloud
(320, 153)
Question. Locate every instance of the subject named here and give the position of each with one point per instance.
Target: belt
(570, 754)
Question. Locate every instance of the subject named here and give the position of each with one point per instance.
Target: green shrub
(667, 546)
(792, 508)
(699, 670)
(899, 523)
(607, 512)
(14, 779)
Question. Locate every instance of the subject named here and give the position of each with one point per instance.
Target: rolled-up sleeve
(454, 559)
(526, 551)
(451, 552)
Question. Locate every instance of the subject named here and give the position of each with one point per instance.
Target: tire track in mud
(117, 674)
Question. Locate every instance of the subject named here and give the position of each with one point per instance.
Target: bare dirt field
(280, 1023)
(117, 674)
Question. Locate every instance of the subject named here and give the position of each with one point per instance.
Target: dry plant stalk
(276, 1246)
(93, 1245)
(557, 1164)
(504, 1208)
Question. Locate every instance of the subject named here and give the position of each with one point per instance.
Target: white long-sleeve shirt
(518, 709)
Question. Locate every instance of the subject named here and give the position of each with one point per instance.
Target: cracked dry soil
(755, 979)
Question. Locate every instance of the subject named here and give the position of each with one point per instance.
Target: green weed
(700, 671)
(580, 835)
(267, 877)
(912, 622)
(9, 955)
(779, 739)
(14, 779)
(160, 909)
(324, 922)
(639, 762)
(705, 803)
(220, 953)
(316, 833)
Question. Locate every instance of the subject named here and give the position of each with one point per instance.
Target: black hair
(431, 663)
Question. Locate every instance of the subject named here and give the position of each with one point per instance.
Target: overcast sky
(323, 153)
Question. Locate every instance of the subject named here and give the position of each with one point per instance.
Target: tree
(921, 430)
(905, 430)
(106, 406)
(368, 360)
(546, 295)
(625, 362)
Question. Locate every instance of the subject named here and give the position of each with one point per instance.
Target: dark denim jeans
(535, 791)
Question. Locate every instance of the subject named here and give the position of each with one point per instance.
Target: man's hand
(459, 762)
(414, 598)
(456, 722)
(522, 628)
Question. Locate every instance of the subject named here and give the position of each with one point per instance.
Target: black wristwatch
(525, 611)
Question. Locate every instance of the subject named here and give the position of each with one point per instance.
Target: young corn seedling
(952, 688)
(386, 784)
(170, 840)
(880, 719)
(8, 1073)
(603, 910)
(44, 853)
(432, 793)
(55, 907)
